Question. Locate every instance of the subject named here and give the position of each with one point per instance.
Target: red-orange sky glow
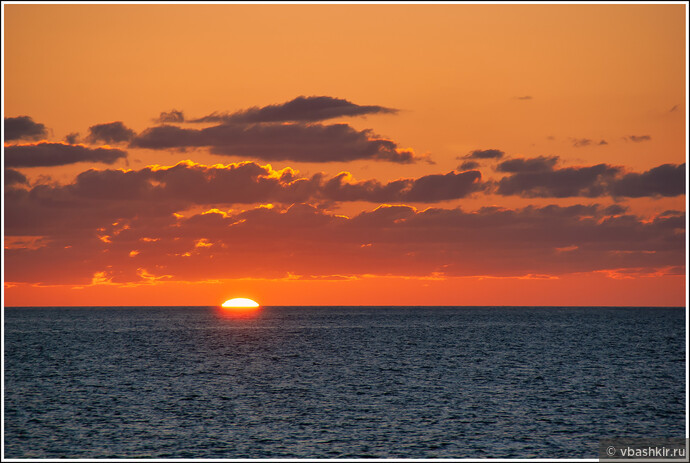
(345, 154)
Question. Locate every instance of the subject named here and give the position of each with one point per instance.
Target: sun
(240, 302)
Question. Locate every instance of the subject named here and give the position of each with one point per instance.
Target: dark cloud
(537, 164)
(301, 109)
(664, 180)
(483, 154)
(279, 142)
(186, 184)
(112, 132)
(441, 187)
(546, 182)
(538, 177)
(58, 154)
(171, 116)
(23, 127)
(426, 189)
(639, 138)
(615, 209)
(303, 240)
(72, 138)
(673, 108)
(468, 165)
(98, 197)
(14, 177)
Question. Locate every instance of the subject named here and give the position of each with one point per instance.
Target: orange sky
(582, 203)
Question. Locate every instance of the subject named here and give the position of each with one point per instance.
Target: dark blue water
(336, 382)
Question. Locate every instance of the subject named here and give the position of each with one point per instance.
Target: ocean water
(339, 382)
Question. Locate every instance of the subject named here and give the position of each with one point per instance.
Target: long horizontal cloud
(389, 240)
(580, 142)
(428, 189)
(301, 109)
(23, 127)
(538, 164)
(169, 189)
(664, 180)
(484, 154)
(58, 154)
(281, 142)
(639, 138)
(538, 177)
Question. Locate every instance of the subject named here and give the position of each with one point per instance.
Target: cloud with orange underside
(394, 240)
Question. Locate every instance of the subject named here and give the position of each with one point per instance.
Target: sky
(400, 154)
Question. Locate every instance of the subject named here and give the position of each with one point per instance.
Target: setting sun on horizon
(240, 303)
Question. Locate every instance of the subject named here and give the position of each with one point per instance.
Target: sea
(339, 382)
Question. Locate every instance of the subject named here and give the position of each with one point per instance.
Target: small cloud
(72, 138)
(526, 97)
(468, 165)
(483, 154)
(112, 132)
(171, 116)
(673, 109)
(23, 127)
(639, 138)
(580, 142)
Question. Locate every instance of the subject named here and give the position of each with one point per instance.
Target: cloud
(664, 180)
(100, 197)
(483, 154)
(14, 177)
(426, 189)
(538, 177)
(639, 138)
(468, 165)
(537, 164)
(187, 184)
(279, 142)
(559, 183)
(23, 127)
(526, 97)
(58, 154)
(581, 142)
(301, 109)
(72, 138)
(388, 240)
(171, 116)
(112, 132)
